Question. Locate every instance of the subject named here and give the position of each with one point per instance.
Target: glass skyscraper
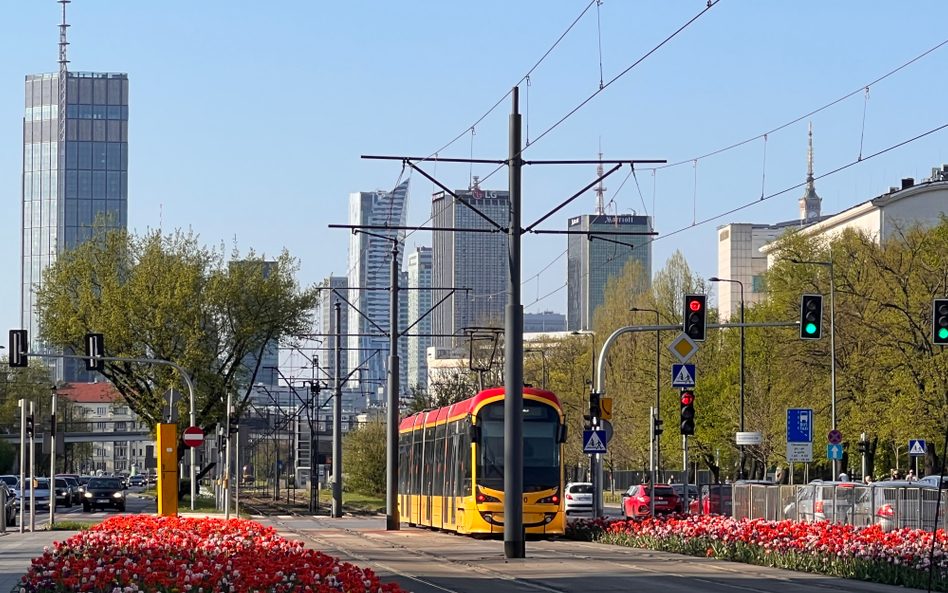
(590, 263)
(65, 187)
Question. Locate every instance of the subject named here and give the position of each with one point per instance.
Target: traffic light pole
(22, 464)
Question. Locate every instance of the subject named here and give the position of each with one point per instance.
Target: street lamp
(741, 284)
(542, 354)
(829, 264)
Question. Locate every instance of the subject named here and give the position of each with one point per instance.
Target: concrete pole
(833, 353)
(514, 537)
(238, 477)
(684, 461)
(337, 423)
(392, 520)
(652, 451)
(52, 462)
(23, 446)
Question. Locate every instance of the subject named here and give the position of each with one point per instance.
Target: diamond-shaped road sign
(683, 348)
(594, 441)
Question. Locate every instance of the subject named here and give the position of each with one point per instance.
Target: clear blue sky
(247, 119)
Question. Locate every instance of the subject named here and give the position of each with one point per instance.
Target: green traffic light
(943, 333)
(811, 329)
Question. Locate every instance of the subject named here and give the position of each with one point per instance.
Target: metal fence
(891, 507)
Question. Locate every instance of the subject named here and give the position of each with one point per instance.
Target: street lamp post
(656, 442)
(829, 264)
(741, 284)
(542, 354)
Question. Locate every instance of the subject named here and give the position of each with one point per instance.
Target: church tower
(810, 202)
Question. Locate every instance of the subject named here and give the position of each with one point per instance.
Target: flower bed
(868, 553)
(172, 554)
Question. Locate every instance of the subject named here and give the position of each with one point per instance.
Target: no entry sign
(193, 436)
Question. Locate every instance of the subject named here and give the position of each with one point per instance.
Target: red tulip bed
(185, 555)
(867, 553)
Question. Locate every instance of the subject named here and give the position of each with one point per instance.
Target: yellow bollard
(167, 470)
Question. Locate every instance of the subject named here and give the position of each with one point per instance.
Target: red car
(636, 503)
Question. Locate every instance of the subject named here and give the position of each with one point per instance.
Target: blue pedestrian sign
(799, 425)
(916, 447)
(683, 375)
(594, 441)
(834, 451)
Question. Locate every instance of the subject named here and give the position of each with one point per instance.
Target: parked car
(103, 493)
(933, 481)
(64, 493)
(137, 481)
(578, 498)
(40, 492)
(636, 501)
(715, 500)
(680, 491)
(899, 504)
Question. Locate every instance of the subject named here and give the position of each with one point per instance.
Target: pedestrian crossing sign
(916, 447)
(594, 441)
(683, 375)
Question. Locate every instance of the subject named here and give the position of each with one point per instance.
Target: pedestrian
(867, 479)
(671, 480)
(843, 477)
(911, 476)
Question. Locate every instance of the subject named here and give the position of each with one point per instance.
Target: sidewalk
(17, 550)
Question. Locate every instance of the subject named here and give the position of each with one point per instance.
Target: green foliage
(7, 457)
(167, 297)
(363, 459)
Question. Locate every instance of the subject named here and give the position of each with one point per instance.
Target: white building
(419, 301)
(102, 409)
(370, 268)
(901, 208)
(739, 248)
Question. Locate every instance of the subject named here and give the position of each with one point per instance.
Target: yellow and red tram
(451, 465)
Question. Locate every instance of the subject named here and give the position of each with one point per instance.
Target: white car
(578, 498)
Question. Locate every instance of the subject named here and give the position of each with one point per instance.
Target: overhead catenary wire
(758, 201)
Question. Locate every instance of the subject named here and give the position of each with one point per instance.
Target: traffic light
(95, 350)
(863, 447)
(234, 424)
(657, 429)
(939, 321)
(687, 412)
(595, 413)
(18, 348)
(29, 425)
(811, 316)
(696, 316)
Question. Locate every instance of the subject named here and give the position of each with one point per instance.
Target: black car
(64, 493)
(11, 508)
(104, 493)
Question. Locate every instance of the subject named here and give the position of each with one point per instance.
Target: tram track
(393, 545)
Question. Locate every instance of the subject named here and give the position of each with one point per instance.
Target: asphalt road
(135, 504)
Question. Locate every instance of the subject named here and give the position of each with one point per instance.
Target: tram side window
(416, 463)
(464, 457)
(439, 461)
(450, 459)
(427, 478)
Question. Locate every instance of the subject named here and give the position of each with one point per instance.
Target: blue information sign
(916, 447)
(799, 425)
(834, 451)
(683, 375)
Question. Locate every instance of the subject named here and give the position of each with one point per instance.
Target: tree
(363, 457)
(167, 297)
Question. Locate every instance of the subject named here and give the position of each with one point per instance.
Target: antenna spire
(809, 158)
(62, 38)
(600, 190)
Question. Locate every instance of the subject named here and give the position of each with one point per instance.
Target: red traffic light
(687, 398)
(695, 305)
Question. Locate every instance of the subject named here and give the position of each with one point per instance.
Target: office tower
(419, 301)
(476, 261)
(72, 174)
(403, 341)
(590, 263)
(369, 280)
(334, 291)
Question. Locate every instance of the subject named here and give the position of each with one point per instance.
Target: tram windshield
(541, 452)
